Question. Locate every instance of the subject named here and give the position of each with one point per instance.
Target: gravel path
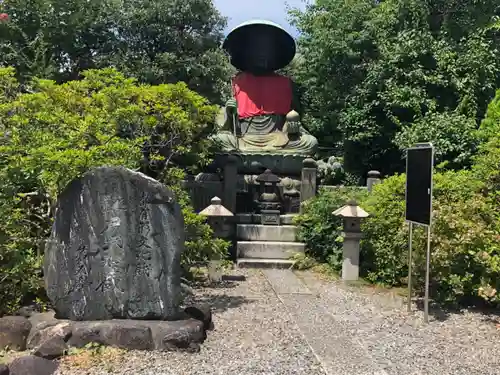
(253, 335)
(274, 323)
(400, 343)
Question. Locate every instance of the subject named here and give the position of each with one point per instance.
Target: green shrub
(491, 123)
(464, 259)
(200, 244)
(465, 246)
(384, 247)
(55, 133)
(320, 230)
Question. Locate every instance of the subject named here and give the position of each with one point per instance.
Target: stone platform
(48, 338)
(267, 246)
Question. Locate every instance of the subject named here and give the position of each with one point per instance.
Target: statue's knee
(225, 140)
(311, 140)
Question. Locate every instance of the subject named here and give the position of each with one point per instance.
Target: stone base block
(268, 249)
(265, 263)
(256, 232)
(249, 218)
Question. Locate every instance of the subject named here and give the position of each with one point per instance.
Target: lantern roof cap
(216, 209)
(351, 209)
(268, 177)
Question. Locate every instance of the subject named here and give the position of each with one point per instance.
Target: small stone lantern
(372, 180)
(352, 215)
(269, 200)
(217, 219)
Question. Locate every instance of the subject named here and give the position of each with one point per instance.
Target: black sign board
(419, 168)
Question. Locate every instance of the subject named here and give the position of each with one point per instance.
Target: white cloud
(239, 11)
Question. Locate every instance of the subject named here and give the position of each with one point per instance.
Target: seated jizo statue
(263, 115)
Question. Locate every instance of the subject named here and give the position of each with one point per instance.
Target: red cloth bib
(262, 95)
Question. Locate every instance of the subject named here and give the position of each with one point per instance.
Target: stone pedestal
(308, 183)
(230, 183)
(270, 217)
(350, 263)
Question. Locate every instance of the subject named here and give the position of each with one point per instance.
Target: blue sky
(239, 11)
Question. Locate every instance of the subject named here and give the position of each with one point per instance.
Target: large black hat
(240, 45)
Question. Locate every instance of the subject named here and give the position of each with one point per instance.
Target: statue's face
(261, 51)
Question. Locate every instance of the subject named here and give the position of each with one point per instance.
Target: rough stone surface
(4, 370)
(45, 319)
(52, 348)
(32, 365)
(14, 331)
(202, 313)
(27, 311)
(139, 334)
(42, 333)
(115, 248)
(183, 334)
(85, 333)
(127, 335)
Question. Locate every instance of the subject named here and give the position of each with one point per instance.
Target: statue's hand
(292, 127)
(231, 106)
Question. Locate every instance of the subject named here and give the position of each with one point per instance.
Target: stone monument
(115, 249)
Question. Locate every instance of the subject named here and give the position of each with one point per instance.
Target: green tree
(155, 41)
(57, 132)
(382, 75)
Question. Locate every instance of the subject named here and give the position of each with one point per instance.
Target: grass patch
(7, 356)
(304, 262)
(93, 355)
(325, 272)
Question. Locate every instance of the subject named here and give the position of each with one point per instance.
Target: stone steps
(265, 263)
(286, 219)
(266, 246)
(255, 232)
(268, 249)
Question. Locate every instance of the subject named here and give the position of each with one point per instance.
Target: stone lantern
(269, 199)
(352, 215)
(372, 180)
(218, 220)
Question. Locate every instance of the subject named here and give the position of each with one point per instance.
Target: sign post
(419, 171)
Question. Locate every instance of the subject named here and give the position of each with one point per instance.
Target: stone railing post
(230, 183)
(308, 181)
(372, 180)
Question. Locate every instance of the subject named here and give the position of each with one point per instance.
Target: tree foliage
(154, 41)
(382, 75)
(465, 242)
(57, 132)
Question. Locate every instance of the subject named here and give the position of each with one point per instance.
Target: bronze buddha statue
(263, 114)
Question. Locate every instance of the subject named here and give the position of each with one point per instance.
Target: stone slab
(255, 232)
(286, 219)
(115, 248)
(268, 249)
(265, 263)
(285, 282)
